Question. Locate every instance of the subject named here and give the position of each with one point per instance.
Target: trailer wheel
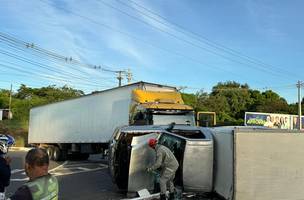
(50, 152)
(56, 154)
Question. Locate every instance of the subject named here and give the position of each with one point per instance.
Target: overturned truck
(233, 163)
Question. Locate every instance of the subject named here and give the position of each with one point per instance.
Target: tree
(27, 97)
(196, 100)
(4, 98)
(271, 102)
(237, 97)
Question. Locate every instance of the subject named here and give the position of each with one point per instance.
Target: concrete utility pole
(129, 76)
(120, 74)
(119, 77)
(299, 86)
(10, 103)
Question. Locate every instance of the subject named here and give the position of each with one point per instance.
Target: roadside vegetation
(230, 100)
(23, 100)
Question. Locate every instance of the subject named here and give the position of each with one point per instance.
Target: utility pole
(129, 76)
(10, 103)
(299, 86)
(119, 77)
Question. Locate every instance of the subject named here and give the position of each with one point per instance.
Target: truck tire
(56, 154)
(49, 151)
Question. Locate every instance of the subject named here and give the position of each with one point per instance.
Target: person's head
(36, 163)
(152, 143)
(268, 118)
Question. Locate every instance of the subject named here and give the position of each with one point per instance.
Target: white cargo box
(88, 119)
(259, 164)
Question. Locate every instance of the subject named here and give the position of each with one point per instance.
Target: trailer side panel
(89, 119)
(269, 165)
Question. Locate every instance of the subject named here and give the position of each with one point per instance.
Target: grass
(16, 128)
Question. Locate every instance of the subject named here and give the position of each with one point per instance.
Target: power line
(57, 78)
(68, 60)
(15, 47)
(20, 58)
(27, 73)
(46, 67)
(62, 78)
(192, 43)
(119, 74)
(201, 38)
(138, 39)
(12, 47)
(47, 52)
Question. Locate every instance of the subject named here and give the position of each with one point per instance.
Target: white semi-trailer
(84, 125)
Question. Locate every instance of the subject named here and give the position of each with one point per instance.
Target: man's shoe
(163, 197)
(171, 196)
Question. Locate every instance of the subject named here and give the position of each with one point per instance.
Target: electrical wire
(46, 67)
(201, 38)
(48, 77)
(20, 50)
(16, 42)
(249, 65)
(179, 54)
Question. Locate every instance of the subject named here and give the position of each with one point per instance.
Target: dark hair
(37, 157)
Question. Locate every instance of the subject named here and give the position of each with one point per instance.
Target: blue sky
(255, 42)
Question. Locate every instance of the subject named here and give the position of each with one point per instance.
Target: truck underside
(64, 151)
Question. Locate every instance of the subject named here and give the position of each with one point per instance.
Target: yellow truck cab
(159, 107)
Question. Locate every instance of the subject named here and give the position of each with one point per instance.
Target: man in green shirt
(41, 185)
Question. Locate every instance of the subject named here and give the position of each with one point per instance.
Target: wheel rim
(55, 154)
(49, 152)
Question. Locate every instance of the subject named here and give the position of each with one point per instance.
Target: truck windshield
(161, 119)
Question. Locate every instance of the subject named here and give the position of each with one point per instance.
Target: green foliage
(230, 100)
(27, 97)
(15, 128)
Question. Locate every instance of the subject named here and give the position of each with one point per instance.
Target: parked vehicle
(84, 125)
(233, 163)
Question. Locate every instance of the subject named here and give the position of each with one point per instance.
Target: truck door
(197, 166)
(206, 119)
(142, 156)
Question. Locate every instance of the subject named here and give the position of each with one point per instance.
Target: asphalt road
(83, 180)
